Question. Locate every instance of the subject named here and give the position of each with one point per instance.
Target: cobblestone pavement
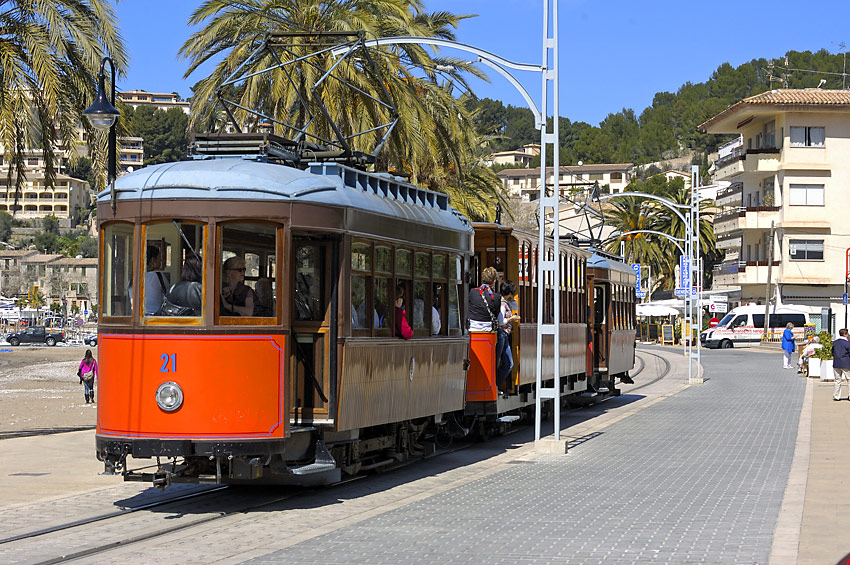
(696, 478)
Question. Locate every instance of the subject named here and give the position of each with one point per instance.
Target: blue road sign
(681, 291)
(640, 293)
(844, 299)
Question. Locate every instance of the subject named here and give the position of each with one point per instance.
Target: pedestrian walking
(841, 363)
(787, 345)
(88, 373)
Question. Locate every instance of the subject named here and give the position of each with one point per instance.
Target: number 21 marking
(165, 359)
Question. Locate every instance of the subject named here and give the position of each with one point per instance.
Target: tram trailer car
(312, 383)
(596, 322)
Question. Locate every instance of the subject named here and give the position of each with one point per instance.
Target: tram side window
(361, 286)
(173, 269)
(455, 289)
(247, 263)
(381, 297)
(117, 269)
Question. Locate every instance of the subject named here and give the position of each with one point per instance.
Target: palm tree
(50, 53)
(433, 141)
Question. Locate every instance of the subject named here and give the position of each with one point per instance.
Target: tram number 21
(168, 360)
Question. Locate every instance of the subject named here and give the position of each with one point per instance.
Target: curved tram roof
(330, 184)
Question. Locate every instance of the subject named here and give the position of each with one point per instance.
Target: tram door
(600, 324)
(311, 325)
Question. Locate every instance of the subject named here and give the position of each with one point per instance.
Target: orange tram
(305, 381)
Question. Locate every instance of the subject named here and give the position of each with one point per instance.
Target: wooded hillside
(667, 128)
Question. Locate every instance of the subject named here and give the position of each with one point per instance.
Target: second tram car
(289, 368)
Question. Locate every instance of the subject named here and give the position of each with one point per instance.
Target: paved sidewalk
(825, 529)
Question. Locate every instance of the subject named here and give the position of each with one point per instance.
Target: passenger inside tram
(264, 295)
(237, 299)
(187, 292)
(156, 283)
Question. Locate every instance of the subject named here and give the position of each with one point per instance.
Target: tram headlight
(169, 396)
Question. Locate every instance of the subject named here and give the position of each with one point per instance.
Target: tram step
(324, 462)
(508, 419)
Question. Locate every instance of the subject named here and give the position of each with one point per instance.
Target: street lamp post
(102, 115)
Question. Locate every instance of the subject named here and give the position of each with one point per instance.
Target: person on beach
(88, 373)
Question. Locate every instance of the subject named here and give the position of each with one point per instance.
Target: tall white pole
(548, 270)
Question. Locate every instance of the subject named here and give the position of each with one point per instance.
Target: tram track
(232, 501)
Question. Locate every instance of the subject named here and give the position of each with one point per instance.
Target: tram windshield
(173, 278)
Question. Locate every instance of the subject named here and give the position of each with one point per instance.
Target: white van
(744, 326)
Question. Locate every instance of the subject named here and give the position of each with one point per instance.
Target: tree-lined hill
(667, 128)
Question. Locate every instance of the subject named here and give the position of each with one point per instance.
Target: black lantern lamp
(102, 115)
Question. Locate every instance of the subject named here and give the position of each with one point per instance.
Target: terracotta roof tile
(786, 97)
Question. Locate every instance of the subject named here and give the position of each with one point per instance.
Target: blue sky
(614, 54)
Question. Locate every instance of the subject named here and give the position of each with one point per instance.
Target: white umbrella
(655, 310)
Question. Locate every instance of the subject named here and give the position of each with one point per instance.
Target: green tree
(6, 223)
(50, 224)
(50, 53)
(87, 246)
(165, 132)
(434, 141)
(82, 169)
(47, 242)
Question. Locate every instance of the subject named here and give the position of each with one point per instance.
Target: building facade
(788, 168)
(525, 183)
(161, 100)
(522, 156)
(66, 281)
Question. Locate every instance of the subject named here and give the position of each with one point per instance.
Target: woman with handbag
(87, 373)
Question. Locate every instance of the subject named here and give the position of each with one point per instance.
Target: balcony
(737, 272)
(730, 165)
(731, 196)
(762, 160)
(760, 217)
(729, 240)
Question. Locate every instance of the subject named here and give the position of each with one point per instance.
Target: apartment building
(788, 167)
(66, 199)
(161, 100)
(525, 183)
(522, 156)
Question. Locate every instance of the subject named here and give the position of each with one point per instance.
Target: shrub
(825, 352)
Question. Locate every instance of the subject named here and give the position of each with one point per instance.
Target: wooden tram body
(315, 384)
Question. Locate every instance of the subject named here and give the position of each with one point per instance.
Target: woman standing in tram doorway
(88, 373)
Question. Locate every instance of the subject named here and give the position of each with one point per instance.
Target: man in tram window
(436, 322)
(156, 283)
(237, 298)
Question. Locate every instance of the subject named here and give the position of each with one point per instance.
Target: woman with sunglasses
(237, 299)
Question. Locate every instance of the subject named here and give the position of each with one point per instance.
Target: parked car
(90, 340)
(35, 334)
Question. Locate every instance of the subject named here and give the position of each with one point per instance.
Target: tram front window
(173, 279)
(248, 270)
